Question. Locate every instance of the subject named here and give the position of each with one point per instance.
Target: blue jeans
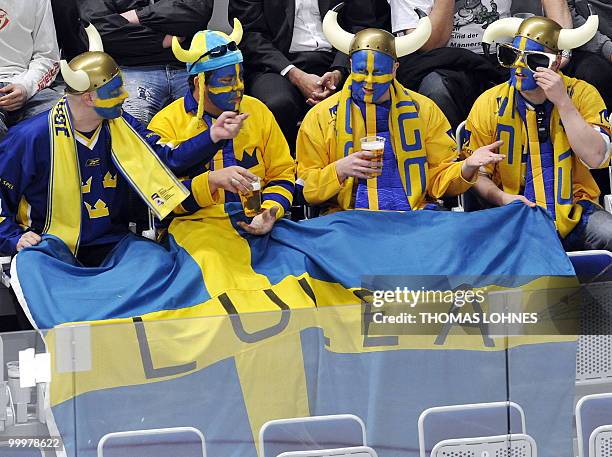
(593, 231)
(41, 101)
(152, 88)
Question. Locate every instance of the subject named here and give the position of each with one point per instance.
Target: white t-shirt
(471, 19)
(403, 16)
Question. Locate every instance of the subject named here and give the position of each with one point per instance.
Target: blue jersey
(24, 179)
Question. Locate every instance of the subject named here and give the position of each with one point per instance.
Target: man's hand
(481, 157)
(328, 84)
(15, 97)
(307, 83)
(233, 179)
(262, 223)
(28, 239)
(167, 41)
(131, 17)
(507, 198)
(357, 165)
(552, 85)
(227, 126)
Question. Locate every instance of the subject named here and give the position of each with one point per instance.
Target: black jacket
(141, 44)
(268, 28)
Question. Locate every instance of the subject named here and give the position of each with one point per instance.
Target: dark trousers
(593, 231)
(284, 99)
(452, 77)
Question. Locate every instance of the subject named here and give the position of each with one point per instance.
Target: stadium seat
(513, 445)
(311, 433)
(358, 451)
(594, 425)
(476, 420)
(161, 442)
(592, 265)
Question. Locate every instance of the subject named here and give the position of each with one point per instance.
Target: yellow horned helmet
(90, 70)
(374, 39)
(542, 30)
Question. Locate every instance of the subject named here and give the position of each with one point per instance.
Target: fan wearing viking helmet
(68, 173)
(553, 129)
(418, 160)
(257, 152)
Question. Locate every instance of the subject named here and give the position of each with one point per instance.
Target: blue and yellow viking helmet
(209, 50)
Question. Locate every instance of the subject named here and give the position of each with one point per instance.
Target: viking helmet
(542, 30)
(374, 39)
(203, 42)
(90, 70)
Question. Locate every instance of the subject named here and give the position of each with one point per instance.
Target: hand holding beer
(360, 164)
(375, 145)
(234, 179)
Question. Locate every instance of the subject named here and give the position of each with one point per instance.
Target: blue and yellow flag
(223, 331)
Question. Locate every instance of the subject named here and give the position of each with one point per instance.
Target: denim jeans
(41, 101)
(593, 231)
(151, 88)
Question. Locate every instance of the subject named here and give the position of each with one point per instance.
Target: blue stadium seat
(442, 423)
(594, 425)
(592, 265)
(162, 442)
(311, 433)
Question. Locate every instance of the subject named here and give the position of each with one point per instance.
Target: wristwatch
(566, 53)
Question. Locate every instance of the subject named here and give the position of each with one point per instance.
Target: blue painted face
(110, 98)
(226, 87)
(372, 74)
(521, 77)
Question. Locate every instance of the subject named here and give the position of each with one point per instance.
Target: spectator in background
(70, 32)
(138, 34)
(29, 60)
(593, 61)
(289, 64)
(450, 69)
(553, 129)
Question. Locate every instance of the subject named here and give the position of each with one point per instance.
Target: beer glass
(251, 201)
(375, 145)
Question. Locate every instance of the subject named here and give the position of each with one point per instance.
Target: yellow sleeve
(162, 126)
(200, 196)
(592, 108)
(479, 129)
(314, 164)
(445, 177)
(280, 169)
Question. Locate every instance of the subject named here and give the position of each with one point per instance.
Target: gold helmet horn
(90, 70)
(374, 39)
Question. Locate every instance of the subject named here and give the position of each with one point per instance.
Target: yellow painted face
(521, 77)
(372, 74)
(226, 87)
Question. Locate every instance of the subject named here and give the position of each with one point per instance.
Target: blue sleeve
(17, 171)
(197, 150)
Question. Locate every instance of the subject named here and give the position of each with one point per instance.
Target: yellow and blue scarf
(554, 181)
(406, 141)
(138, 163)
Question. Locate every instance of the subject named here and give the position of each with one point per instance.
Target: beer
(251, 201)
(375, 145)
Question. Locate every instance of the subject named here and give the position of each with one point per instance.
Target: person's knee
(599, 230)
(434, 87)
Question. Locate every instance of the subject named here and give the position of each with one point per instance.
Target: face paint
(521, 77)
(226, 87)
(372, 74)
(110, 98)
